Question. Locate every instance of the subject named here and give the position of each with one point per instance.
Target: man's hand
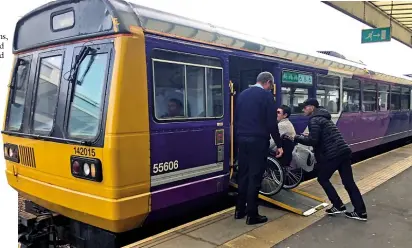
(279, 152)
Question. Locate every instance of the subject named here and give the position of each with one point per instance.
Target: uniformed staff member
(332, 153)
(255, 122)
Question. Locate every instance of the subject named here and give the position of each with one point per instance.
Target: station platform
(389, 213)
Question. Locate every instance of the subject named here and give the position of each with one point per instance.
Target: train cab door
(189, 127)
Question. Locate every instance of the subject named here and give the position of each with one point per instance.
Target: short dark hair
(265, 76)
(286, 110)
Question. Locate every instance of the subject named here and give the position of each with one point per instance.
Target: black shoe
(334, 210)
(257, 219)
(240, 214)
(357, 216)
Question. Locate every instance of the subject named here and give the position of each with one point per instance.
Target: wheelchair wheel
(293, 177)
(273, 178)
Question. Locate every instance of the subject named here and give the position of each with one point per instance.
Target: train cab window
(86, 108)
(328, 92)
(395, 97)
(295, 89)
(369, 97)
(48, 83)
(405, 98)
(186, 86)
(383, 97)
(18, 93)
(351, 95)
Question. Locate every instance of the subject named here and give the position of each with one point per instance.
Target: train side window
(405, 98)
(18, 93)
(86, 108)
(395, 97)
(293, 97)
(328, 92)
(184, 90)
(383, 97)
(351, 95)
(48, 83)
(369, 97)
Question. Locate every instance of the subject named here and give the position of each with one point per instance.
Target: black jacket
(324, 137)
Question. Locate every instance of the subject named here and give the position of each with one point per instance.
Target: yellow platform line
(178, 228)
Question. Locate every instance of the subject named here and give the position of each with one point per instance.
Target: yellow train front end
(76, 128)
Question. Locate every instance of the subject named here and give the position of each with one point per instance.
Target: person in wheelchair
(286, 128)
(294, 155)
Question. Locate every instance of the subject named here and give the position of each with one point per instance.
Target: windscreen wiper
(79, 59)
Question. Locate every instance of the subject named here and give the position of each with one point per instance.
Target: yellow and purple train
(118, 112)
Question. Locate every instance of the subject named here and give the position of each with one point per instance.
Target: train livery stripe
(185, 174)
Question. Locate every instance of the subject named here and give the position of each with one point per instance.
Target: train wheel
(273, 178)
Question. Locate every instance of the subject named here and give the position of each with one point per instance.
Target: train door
(188, 126)
(243, 73)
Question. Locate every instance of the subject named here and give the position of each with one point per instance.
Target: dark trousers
(252, 156)
(343, 165)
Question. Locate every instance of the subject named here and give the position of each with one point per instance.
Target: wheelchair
(280, 173)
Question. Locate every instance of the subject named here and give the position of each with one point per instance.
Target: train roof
(103, 17)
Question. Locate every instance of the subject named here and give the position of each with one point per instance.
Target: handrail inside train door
(232, 93)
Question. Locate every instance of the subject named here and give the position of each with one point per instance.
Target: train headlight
(11, 152)
(86, 168)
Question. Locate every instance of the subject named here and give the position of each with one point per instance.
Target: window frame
(45, 55)
(339, 88)
(408, 90)
(308, 87)
(11, 92)
(102, 48)
(363, 83)
(205, 88)
(388, 96)
(400, 94)
(359, 91)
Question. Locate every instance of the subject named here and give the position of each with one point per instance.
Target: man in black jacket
(255, 122)
(332, 153)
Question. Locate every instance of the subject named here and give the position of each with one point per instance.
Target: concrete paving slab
(229, 228)
(389, 225)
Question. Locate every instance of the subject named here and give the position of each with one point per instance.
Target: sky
(306, 24)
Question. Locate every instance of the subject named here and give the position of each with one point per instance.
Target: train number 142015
(166, 166)
(85, 151)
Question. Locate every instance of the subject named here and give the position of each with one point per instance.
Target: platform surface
(389, 224)
(284, 228)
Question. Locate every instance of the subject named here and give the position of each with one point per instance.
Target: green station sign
(376, 35)
(296, 78)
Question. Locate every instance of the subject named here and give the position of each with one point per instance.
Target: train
(146, 101)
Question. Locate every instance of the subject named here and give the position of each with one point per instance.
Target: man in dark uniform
(332, 153)
(255, 122)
